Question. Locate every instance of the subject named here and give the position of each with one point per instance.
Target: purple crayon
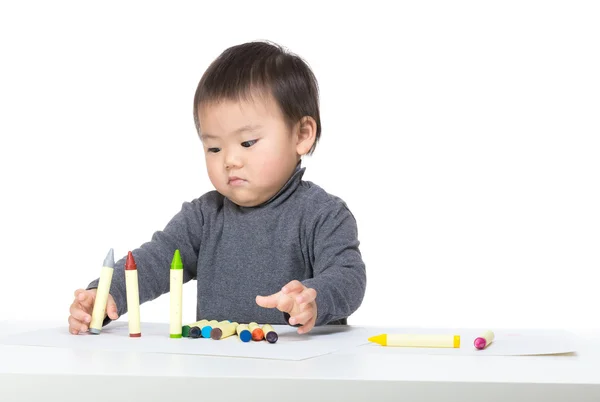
(270, 334)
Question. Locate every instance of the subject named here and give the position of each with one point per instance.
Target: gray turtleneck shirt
(236, 253)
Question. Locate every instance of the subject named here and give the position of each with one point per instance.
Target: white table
(29, 373)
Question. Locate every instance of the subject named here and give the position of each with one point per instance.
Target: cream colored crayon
(243, 333)
(417, 340)
(176, 291)
(208, 327)
(133, 297)
(270, 334)
(223, 330)
(256, 331)
(212, 327)
(99, 310)
(187, 329)
(484, 340)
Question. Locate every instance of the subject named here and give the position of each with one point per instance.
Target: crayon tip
(258, 334)
(216, 333)
(245, 336)
(176, 263)
(206, 331)
(380, 339)
(195, 332)
(109, 261)
(271, 337)
(130, 263)
(479, 343)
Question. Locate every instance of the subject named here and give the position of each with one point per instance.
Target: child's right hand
(82, 307)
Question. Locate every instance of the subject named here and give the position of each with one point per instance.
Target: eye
(248, 144)
(214, 150)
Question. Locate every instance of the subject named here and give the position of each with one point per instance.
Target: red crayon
(133, 298)
(130, 263)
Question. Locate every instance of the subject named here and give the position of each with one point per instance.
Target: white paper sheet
(155, 339)
(506, 343)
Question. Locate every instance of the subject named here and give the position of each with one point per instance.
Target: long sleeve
(153, 259)
(339, 274)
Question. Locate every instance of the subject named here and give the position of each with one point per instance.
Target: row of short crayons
(223, 329)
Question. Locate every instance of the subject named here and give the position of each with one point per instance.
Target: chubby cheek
(271, 170)
(214, 172)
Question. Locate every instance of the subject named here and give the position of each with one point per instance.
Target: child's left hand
(298, 301)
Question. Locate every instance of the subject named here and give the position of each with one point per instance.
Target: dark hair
(254, 68)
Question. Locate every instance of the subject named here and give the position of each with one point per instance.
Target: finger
(308, 295)
(292, 287)
(268, 301)
(77, 292)
(302, 318)
(111, 308)
(78, 313)
(86, 300)
(76, 326)
(287, 305)
(308, 326)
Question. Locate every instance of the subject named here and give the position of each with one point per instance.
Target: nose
(232, 160)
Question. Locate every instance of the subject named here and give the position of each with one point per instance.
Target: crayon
(195, 332)
(223, 330)
(270, 334)
(218, 325)
(185, 330)
(133, 296)
(176, 290)
(257, 333)
(208, 327)
(419, 341)
(99, 311)
(243, 333)
(484, 340)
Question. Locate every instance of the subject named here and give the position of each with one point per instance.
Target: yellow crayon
(99, 310)
(417, 341)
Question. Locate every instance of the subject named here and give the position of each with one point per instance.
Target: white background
(464, 136)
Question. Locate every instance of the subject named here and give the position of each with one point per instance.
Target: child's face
(250, 151)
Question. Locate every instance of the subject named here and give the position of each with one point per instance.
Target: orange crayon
(256, 331)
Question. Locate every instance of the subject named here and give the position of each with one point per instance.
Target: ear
(306, 135)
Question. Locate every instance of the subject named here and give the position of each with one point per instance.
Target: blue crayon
(243, 333)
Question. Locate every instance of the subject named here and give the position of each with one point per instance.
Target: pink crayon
(484, 340)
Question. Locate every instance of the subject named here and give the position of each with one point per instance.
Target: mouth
(235, 181)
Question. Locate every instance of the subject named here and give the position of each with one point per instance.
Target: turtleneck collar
(288, 188)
